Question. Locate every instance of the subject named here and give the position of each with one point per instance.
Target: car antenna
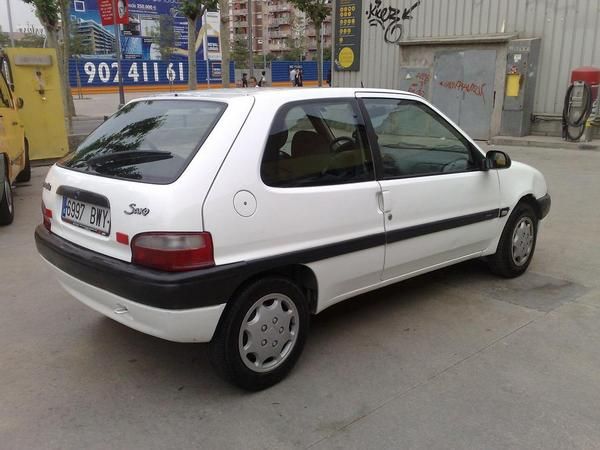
(361, 84)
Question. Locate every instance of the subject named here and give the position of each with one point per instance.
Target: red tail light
(46, 217)
(173, 252)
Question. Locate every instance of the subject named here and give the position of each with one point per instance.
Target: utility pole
(250, 46)
(10, 26)
(118, 41)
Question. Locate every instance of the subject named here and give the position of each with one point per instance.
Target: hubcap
(523, 239)
(8, 194)
(268, 333)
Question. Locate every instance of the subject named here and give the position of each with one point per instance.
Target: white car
(231, 216)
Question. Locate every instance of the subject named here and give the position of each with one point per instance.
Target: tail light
(47, 217)
(173, 252)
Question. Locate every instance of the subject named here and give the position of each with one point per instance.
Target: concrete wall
(569, 29)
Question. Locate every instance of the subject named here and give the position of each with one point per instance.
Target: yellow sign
(35, 76)
(346, 57)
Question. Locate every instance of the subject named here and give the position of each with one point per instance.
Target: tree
(4, 39)
(31, 40)
(317, 11)
(193, 10)
(239, 52)
(165, 36)
(296, 51)
(224, 41)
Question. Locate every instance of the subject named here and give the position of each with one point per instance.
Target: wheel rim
(8, 195)
(523, 239)
(268, 332)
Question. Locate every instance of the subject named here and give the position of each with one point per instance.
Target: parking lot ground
(453, 359)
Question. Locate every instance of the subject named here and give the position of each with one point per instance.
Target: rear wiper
(128, 157)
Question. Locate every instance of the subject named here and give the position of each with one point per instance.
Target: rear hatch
(146, 169)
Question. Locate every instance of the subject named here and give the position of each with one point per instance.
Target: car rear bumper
(182, 325)
(164, 290)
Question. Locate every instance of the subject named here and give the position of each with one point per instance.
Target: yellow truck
(14, 157)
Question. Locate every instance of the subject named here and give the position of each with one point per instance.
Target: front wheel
(262, 334)
(517, 243)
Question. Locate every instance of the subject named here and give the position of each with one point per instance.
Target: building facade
(277, 27)
(464, 48)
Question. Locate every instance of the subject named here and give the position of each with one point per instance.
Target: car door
(11, 129)
(315, 201)
(439, 206)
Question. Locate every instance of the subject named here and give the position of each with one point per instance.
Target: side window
(315, 144)
(414, 140)
(5, 98)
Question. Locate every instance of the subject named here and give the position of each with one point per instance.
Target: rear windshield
(151, 141)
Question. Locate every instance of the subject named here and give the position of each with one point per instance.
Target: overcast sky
(22, 14)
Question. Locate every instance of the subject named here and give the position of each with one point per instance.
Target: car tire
(261, 334)
(7, 208)
(517, 243)
(25, 174)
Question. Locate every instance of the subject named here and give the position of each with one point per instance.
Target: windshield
(150, 141)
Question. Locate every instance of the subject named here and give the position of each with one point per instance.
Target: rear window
(151, 141)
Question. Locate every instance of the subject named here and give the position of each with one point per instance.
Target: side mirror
(20, 103)
(495, 159)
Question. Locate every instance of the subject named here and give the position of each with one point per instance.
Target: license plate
(86, 215)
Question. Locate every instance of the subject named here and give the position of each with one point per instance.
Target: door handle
(385, 201)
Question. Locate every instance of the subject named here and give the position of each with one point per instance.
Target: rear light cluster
(173, 252)
(47, 217)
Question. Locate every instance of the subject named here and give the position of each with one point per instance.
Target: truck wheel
(262, 334)
(25, 174)
(7, 209)
(517, 243)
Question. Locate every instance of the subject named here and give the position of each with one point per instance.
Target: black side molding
(544, 204)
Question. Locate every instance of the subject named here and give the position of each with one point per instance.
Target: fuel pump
(580, 110)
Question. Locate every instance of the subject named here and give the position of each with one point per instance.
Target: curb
(532, 141)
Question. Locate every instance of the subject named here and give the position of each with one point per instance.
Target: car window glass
(317, 143)
(5, 98)
(414, 140)
(150, 140)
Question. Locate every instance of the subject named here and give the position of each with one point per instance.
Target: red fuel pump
(580, 101)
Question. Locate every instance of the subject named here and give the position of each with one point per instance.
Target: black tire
(7, 209)
(227, 347)
(510, 259)
(25, 174)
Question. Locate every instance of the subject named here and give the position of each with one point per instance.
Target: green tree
(4, 39)
(327, 54)
(224, 41)
(31, 40)
(194, 10)
(317, 11)
(296, 51)
(239, 52)
(165, 36)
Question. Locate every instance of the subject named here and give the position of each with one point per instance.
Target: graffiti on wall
(475, 89)
(389, 19)
(419, 86)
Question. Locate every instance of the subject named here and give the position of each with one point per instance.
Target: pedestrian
(293, 76)
(299, 78)
(329, 78)
(253, 82)
(263, 80)
(244, 80)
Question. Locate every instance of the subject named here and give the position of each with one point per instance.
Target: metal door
(463, 88)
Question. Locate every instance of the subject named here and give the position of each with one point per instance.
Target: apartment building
(277, 26)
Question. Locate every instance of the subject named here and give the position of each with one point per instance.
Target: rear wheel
(517, 243)
(7, 209)
(25, 174)
(262, 335)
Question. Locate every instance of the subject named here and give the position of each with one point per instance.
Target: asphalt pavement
(454, 359)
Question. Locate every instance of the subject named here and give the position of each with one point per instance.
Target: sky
(22, 14)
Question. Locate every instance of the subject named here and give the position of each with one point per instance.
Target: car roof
(290, 94)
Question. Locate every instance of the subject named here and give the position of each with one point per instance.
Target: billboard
(152, 30)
